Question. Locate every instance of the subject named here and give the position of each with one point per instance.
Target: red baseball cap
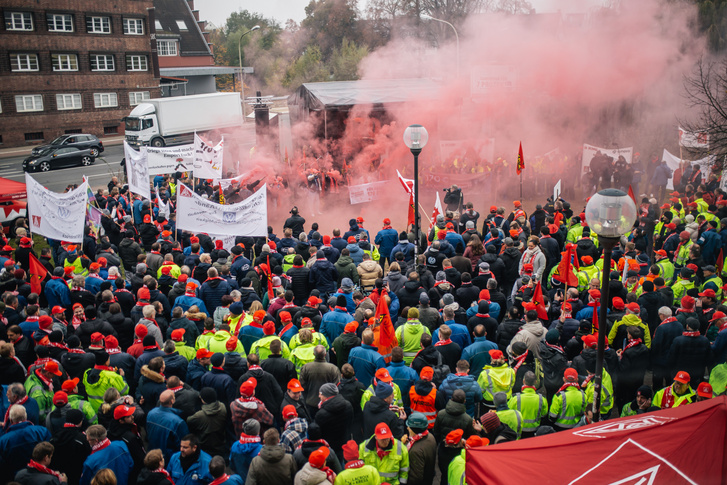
(590, 340)
(717, 316)
(231, 344)
(383, 431)
(633, 307)
(709, 293)
(57, 309)
(496, 354)
(383, 375)
(427, 373)
(682, 377)
(60, 398)
(705, 390)
(123, 411)
(147, 218)
(454, 437)
(318, 458)
(618, 303)
(143, 293)
(289, 412)
(570, 374)
(661, 253)
(204, 354)
(351, 239)
(52, 367)
(70, 384)
(295, 386)
(247, 388)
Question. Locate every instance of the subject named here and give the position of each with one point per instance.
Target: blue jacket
(143, 360)
(324, 276)
(478, 354)
(57, 293)
(165, 430)
(468, 384)
(719, 348)
(460, 335)
(333, 323)
(661, 176)
(93, 284)
(186, 302)
(212, 292)
(221, 382)
(366, 360)
(292, 332)
(455, 240)
(241, 455)
(31, 407)
(356, 253)
(403, 375)
(200, 469)
(29, 328)
(661, 341)
(350, 304)
(248, 335)
(711, 243)
(386, 239)
(115, 456)
(16, 447)
(405, 247)
(240, 266)
(494, 310)
(195, 371)
(338, 243)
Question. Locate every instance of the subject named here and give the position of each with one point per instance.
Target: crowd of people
(148, 355)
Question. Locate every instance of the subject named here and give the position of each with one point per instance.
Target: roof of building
(177, 20)
(200, 71)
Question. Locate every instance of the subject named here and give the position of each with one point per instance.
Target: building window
(18, 21)
(23, 62)
(31, 102)
(105, 100)
(60, 22)
(167, 47)
(35, 136)
(182, 26)
(138, 97)
(134, 26)
(111, 130)
(68, 101)
(102, 62)
(98, 25)
(158, 25)
(64, 62)
(136, 63)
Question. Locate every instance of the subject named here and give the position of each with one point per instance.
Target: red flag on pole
(387, 337)
(539, 302)
(520, 160)
(269, 275)
(410, 215)
(720, 263)
(37, 274)
(565, 275)
(631, 194)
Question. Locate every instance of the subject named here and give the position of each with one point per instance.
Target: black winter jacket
(335, 418)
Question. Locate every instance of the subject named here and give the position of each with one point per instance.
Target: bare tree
(706, 91)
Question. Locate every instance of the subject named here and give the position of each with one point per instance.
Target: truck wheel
(157, 142)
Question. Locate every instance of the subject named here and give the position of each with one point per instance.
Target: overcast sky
(217, 11)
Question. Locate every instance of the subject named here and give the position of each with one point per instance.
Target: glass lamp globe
(610, 213)
(416, 137)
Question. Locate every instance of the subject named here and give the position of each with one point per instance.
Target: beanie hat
(148, 341)
(350, 450)
(552, 336)
(499, 400)
(217, 359)
(413, 313)
(45, 322)
(101, 357)
(341, 301)
(269, 328)
(490, 421)
(384, 390)
(328, 390)
(251, 427)
(208, 394)
(454, 437)
(111, 342)
(74, 416)
(141, 331)
(178, 334)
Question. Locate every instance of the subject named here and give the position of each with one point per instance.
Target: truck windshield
(133, 124)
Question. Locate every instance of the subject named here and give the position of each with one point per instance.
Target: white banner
(227, 241)
(589, 151)
(164, 160)
(207, 159)
(57, 216)
(137, 170)
(556, 191)
(358, 194)
(163, 207)
(672, 161)
(253, 175)
(465, 149)
(246, 218)
(691, 139)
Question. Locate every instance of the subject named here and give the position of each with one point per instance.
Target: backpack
(441, 371)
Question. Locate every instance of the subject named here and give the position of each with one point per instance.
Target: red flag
(565, 275)
(269, 276)
(37, 274)
(539, 302)
(720, 263)
(520, 160)
(387, 337)
(410, 216)
(631, 194)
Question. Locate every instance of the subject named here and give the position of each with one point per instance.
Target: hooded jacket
(212, 291)
(369, 271)
(530, 334)
(335, 417)
(453, 416)
(311, 476)
(209, 424)
(272, 466)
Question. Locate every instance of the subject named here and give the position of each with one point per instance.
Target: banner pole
(521, 185)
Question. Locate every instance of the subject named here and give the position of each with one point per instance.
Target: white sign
(227, 241)
(495, 78)
(253, 175)
(556, 191)
(163, 207)
(358, 194)
(57, 216)
(691, 139)
(164, 160)
(137, 170)
(246, 218)
(589, 151)
(207, 159)
(673, 162)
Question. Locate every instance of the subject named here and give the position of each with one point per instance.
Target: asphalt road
(107, 165)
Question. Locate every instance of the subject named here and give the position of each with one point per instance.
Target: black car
(80, 141)
(57, 157)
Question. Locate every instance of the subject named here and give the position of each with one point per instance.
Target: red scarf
(587, 380)
(151, 347)
(569, 384)
(71, 425)
(443, 342)
(483, 315)
(330, 474)
(632, 343)
(285, 329)
(169, 477)
(175, 389)
(354, 464)
(520, 360)
(244, 438)
(57, 345)
(217, 481)
(100, 446)
(103, 367)
(320, 404)
(115, 350)
(76, 351)
(381, 452)
(691, 334)
(77, 321)
(43, 469)
(416, 438)
(555, 347)
(668, 320)
(48, 383)
(19, 402)
(668, 400)
(254, 367)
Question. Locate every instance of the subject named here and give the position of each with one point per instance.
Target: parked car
(80, 141)
(57, 157)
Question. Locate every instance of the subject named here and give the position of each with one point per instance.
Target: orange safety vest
(424, 404)
(384, 351)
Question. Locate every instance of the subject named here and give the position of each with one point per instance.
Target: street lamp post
(456, 35)
(239, 56)
(416, 137)
(610, 213)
